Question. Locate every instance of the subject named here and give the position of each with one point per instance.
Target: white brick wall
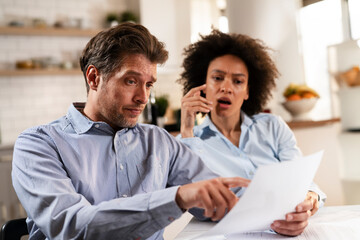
(28, 101)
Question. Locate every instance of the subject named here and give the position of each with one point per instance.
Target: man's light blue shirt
(265, 139)
(79, 179)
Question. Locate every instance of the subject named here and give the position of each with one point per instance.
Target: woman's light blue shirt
(265, 139)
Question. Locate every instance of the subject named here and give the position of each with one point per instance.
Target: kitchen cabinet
(341, 58)
(350, 171)
(10, 206)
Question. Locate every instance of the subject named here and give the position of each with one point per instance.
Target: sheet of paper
(330, 223)
(274, 191)
(342, 224)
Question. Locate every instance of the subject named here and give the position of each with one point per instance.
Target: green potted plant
(112, 19)
(162, 103)
(128, 16)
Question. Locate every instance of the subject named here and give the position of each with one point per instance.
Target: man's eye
(130, 81)
(149, 85)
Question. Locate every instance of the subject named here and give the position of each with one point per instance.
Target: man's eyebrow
(223, 72)
(132, 72)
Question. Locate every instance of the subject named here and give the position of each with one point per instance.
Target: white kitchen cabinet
(10, 206)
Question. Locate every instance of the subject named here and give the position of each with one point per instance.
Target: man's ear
(92, 77)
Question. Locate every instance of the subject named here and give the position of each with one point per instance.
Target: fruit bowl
(300, 108)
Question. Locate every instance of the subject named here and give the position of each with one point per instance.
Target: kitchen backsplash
(29, 101)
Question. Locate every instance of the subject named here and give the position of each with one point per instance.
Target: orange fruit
(293, 97)
(308, 95)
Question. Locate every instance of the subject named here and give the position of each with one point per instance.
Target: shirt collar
(207, 123)
(246, 120)
(82, 124)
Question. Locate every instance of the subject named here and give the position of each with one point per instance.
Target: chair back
(14, 229)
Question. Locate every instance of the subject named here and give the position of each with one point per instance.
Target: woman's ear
(203, 92)
(92, 77)
(247, 93)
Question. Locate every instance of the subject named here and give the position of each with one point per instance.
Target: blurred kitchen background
(315, 43)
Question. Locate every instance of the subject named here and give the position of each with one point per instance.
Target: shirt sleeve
(288, 150)
(287, 145)
(59, 212)
(198, 146)
(194, 143)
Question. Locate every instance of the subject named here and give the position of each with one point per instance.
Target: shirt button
(121, 167)
(124, 195)
(97, 125)
(171, 219)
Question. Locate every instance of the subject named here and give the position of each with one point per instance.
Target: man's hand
(296, 222)
(191, 104)
(212, 195)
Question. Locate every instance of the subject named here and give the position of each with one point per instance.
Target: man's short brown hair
(107, 50)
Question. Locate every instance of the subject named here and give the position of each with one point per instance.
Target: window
(206, 14)
(320, 26)
(354, 18)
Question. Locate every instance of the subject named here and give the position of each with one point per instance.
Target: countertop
(6, 150)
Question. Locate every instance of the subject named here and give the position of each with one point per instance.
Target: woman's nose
(226, 87)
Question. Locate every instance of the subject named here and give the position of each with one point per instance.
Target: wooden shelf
(48, 31)
(310, 123)
(37, 72)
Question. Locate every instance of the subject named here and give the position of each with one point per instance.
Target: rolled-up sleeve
(59, 212)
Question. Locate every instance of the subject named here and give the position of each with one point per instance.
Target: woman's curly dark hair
(261, 68)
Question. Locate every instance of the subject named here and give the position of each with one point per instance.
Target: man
(97, 174)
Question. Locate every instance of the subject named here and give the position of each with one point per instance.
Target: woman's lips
(224, 102)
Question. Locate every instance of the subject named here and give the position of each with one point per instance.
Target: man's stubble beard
(116, 119)
(119, 120)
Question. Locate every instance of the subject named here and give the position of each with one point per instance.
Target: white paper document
(274, 191)
(330, 223)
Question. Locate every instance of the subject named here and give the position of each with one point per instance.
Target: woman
(229, 77)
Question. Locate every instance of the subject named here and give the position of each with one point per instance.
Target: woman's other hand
(296, 222)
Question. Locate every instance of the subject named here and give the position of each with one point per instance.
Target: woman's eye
(217, 78)
(238, 81)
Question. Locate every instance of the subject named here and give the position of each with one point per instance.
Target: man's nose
(142, 95)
